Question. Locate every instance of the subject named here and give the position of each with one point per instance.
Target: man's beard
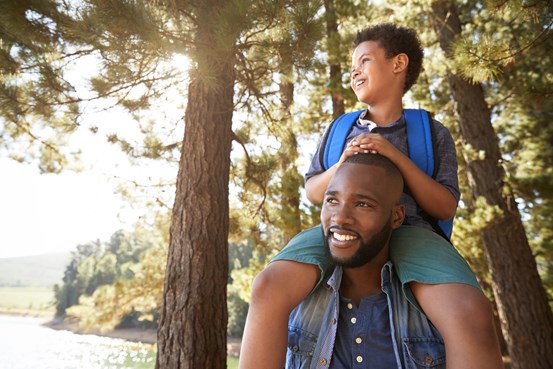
(367, 249)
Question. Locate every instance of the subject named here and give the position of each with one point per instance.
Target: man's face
(360, 210)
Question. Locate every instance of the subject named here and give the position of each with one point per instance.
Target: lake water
(26, 344)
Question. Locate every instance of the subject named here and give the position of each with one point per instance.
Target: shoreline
(145, 336)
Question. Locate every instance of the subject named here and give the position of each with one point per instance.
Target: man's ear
(401, 61)
(398, 215)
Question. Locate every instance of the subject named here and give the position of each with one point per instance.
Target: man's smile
(342, 238)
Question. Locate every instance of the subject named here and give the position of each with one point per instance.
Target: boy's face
(374, 78)
(360, 209)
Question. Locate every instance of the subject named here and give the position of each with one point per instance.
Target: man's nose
(342, 215)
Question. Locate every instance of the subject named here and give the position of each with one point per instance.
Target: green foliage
(237, 312)
(37, 101)
(99, 270)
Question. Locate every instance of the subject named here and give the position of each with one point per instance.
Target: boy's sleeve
(316, 166)
(446, 156)
(308, 247)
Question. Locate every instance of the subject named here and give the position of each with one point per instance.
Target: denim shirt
(312, 328)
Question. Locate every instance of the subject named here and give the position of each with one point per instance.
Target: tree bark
(192, 329)
(290, 222)
(526, 318)
(335, 70)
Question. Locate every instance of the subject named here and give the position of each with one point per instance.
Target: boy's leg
(439, 279)
(276, 291)
(464, 318)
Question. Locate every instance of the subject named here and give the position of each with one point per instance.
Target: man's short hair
(396, 40)
(377, 160)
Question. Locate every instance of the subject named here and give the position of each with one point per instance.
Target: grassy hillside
(33, 271)
(26, 300)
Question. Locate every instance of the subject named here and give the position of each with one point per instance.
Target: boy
(386, 62)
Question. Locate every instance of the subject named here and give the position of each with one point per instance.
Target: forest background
(258, 84)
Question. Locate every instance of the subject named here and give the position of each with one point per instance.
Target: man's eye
(330, 200)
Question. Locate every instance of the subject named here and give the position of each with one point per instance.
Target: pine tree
(528, 329)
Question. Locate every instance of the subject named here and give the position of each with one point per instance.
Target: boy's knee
(473, 305)
(477, 309)
(262, 285)
(284, 284)
(455, 302)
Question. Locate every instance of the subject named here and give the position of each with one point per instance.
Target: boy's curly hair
(396, 40)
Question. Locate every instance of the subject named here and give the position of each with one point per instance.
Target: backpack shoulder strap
(420, 139)
(334, 140)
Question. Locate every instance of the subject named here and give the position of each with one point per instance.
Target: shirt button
(333, 321)
(322, 361)
(295, 348)
(358, 340)
(353, 320)
(359, 359)
(350, 306)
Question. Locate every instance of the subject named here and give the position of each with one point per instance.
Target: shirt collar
(336, 278)
(371, 125)
(366, 122)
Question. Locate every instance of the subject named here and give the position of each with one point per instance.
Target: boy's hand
(350, 150)
(373, 143)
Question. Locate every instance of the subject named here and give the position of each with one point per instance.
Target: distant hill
(33, 271)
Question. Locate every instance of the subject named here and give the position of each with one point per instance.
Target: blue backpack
(419, 140)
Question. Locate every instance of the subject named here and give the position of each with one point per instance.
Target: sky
(53, 213)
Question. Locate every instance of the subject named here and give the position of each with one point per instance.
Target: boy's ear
(400, 62)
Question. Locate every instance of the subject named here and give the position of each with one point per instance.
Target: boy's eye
(364, 61)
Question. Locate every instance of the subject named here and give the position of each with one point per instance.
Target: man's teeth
(344, 237)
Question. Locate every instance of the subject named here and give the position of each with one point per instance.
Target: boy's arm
(315, 186)
(431, 196)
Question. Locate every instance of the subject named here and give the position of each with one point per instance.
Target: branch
(253, 179)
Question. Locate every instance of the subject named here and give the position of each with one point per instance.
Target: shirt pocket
(301, 346)
(424, 353)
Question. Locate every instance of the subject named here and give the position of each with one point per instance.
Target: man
(362, 318)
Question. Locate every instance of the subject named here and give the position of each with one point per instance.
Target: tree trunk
(333, 39)
(526, 318)
(290, 180)
(192, 329)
